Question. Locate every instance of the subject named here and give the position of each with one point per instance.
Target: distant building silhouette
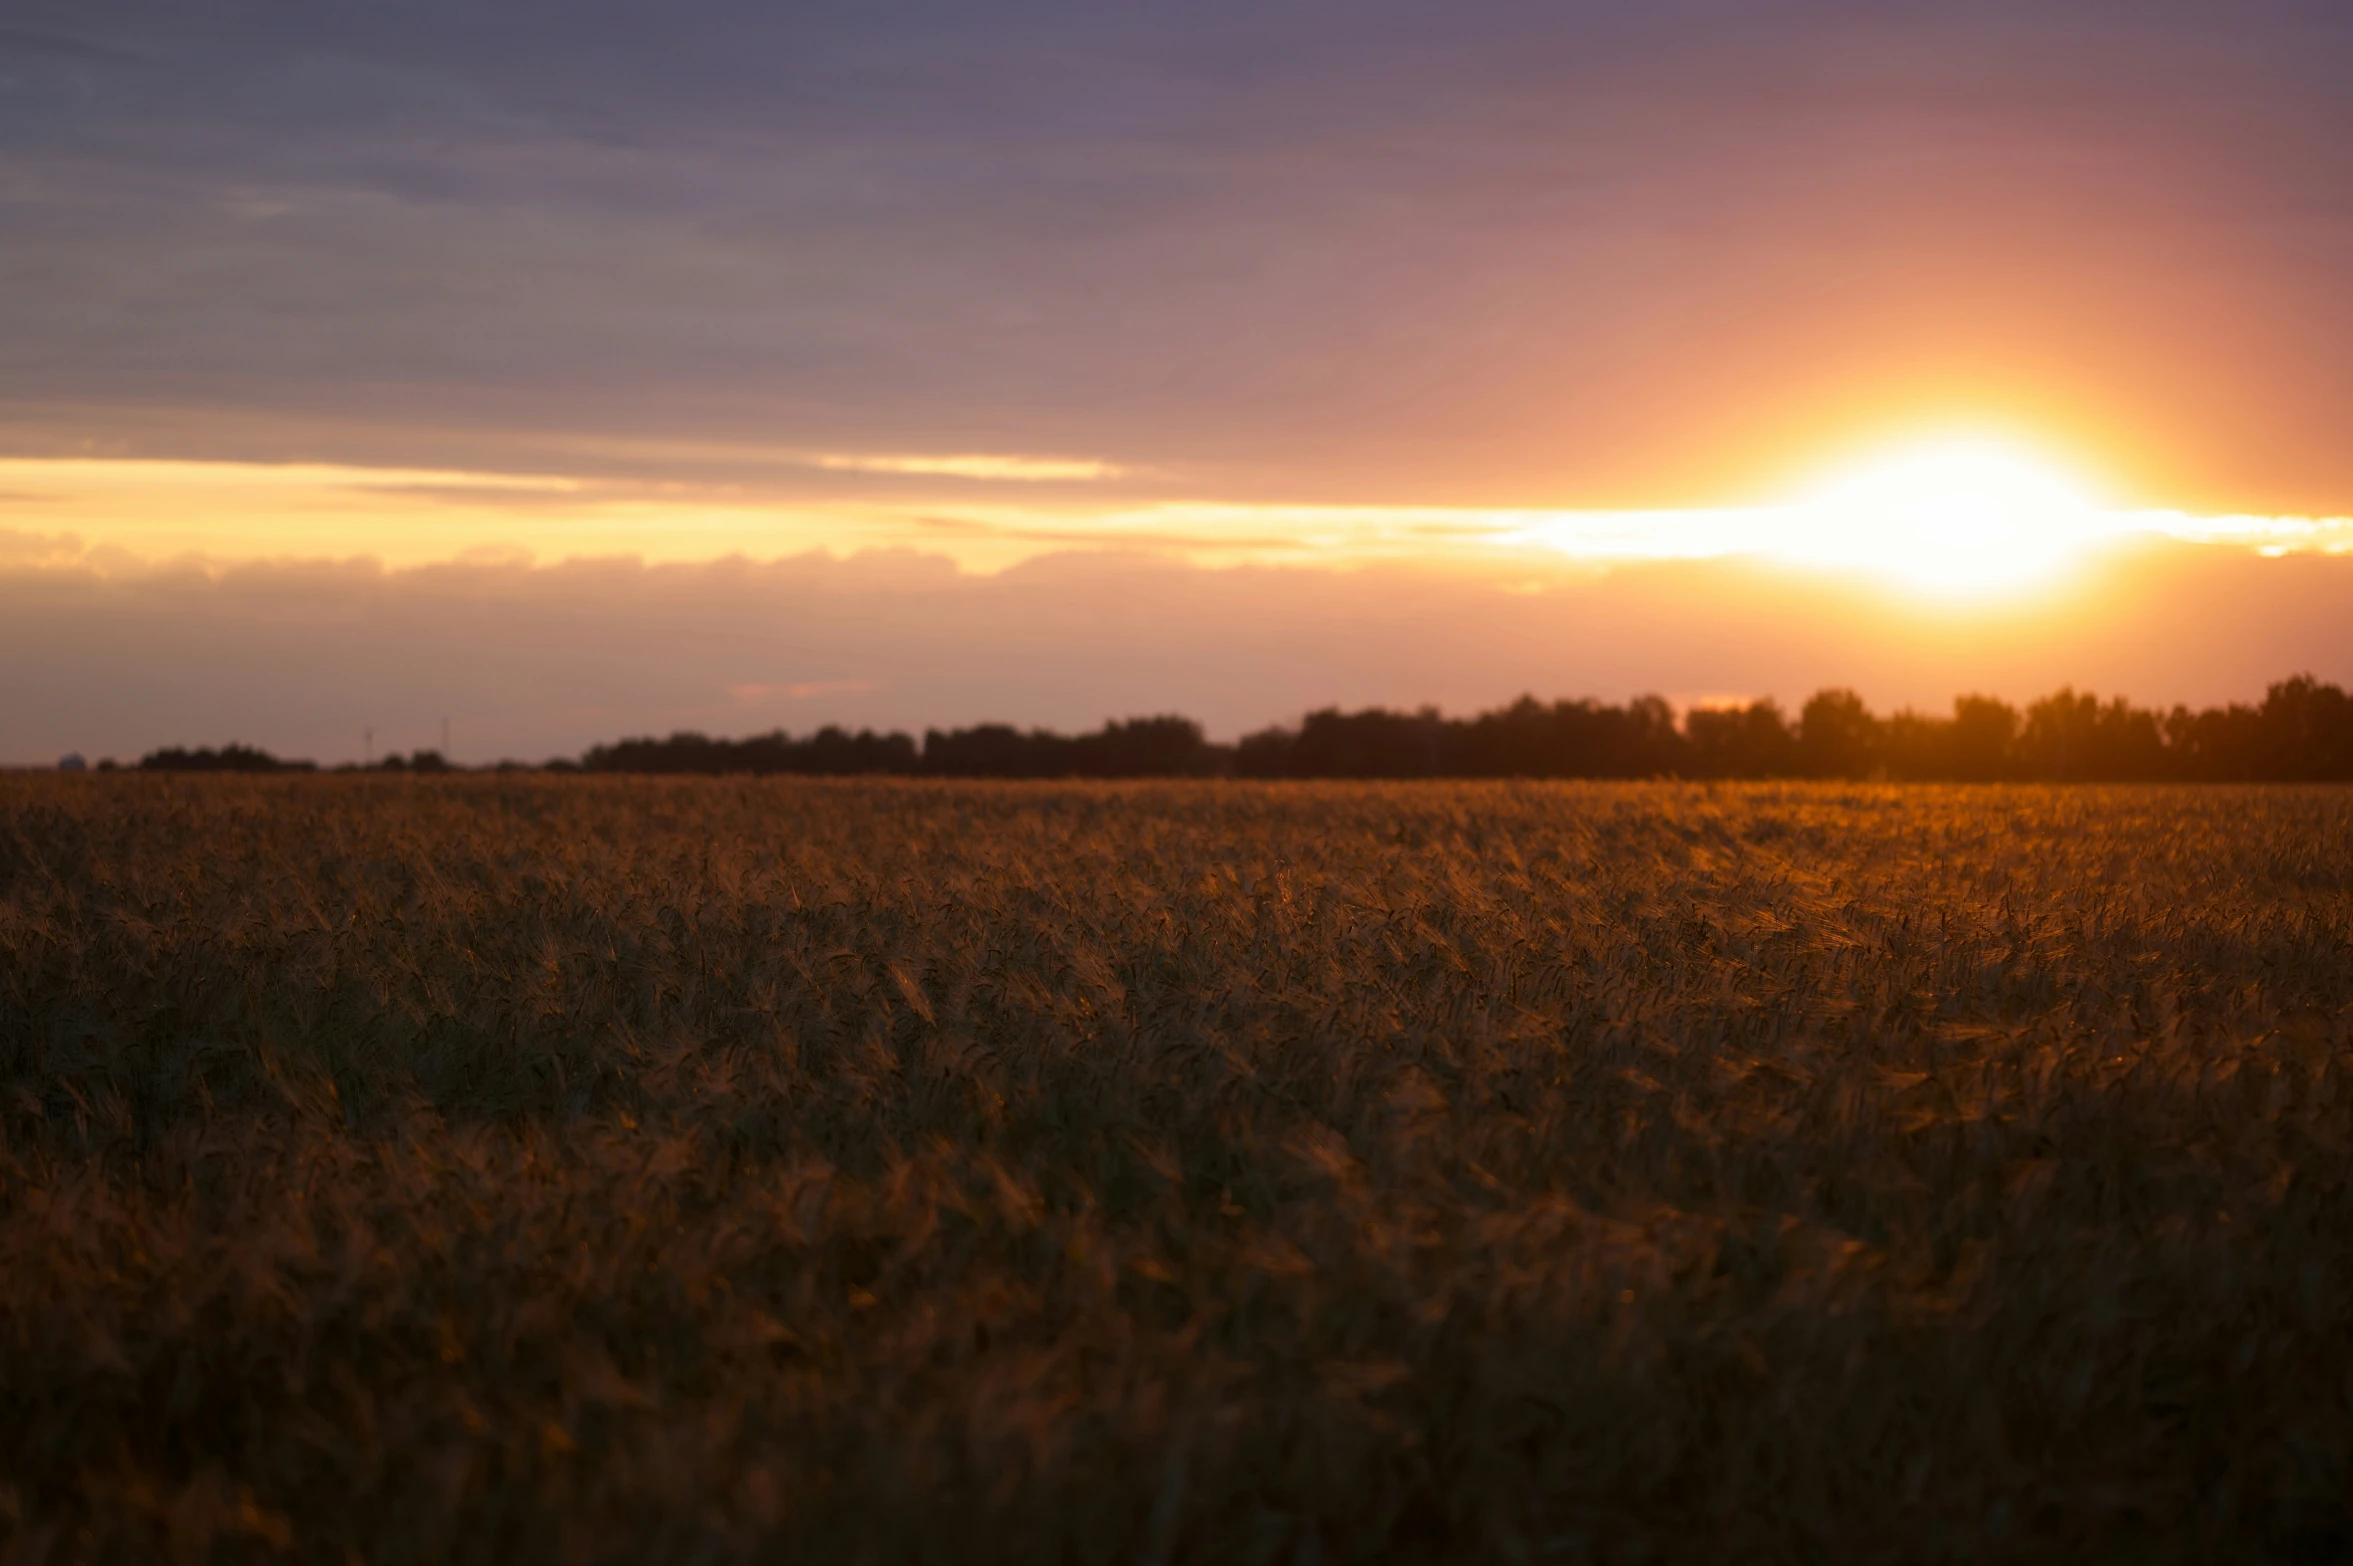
(73, 762)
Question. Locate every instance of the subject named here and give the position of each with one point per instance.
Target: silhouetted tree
(1981, 744)
(1740, 742)
(996, 750)
(1265, 754)
(1837, 737)
(2306, 731)
(1524, 740)
(2075, 737)
(2219, 745)
(1977, 744)
(1162, 747)
(1915, 747)
(835, 752)
(1374, 743)
(830, 752)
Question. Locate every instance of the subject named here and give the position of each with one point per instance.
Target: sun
(1955, 516)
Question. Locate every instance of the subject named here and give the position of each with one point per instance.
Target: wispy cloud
(2273, 536)
(1008, 469)
(149, 474)
(119, 513)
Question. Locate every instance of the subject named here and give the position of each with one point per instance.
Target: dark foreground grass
(529, 1170)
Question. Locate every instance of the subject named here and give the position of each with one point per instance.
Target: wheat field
(520, 1169)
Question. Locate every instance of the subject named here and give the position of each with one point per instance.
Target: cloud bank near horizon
(537, 661)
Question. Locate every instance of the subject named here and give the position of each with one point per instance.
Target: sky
(563, 371)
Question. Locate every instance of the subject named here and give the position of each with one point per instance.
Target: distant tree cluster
(2302, 731)
(415, 761)
(1137, 748)
(1162, 747)
(830, 752)
(229, 758)
(246, 758)
(1568, 739)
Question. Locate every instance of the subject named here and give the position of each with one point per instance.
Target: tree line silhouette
(234, 757)
(1137, 748)
(231, 757)
(2302, 731)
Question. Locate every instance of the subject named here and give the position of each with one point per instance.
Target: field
(508, 1169)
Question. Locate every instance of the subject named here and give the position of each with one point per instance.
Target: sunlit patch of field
(512, 1170)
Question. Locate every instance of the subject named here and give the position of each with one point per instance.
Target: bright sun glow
(1958, 516)
(1965, 520)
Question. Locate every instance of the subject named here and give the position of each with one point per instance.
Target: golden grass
(518, 1169)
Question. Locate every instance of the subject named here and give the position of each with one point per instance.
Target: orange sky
(1512, 295)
